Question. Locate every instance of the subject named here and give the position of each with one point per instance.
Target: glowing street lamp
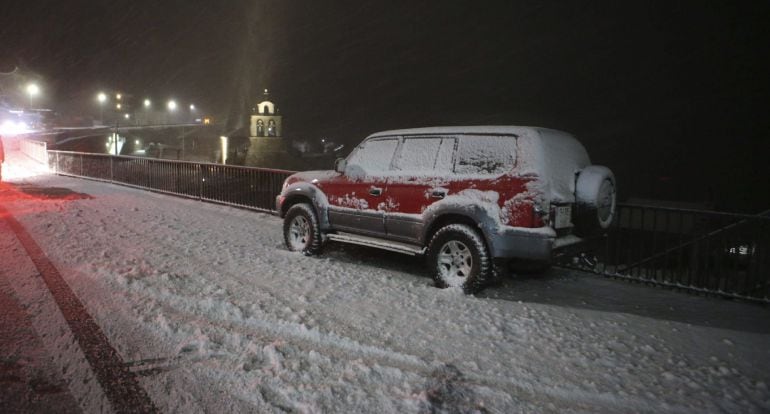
(224, 148)
(147, 106)
(192, 112)
(32, 90)
(119, 106)
(102, 98)
(171, 105)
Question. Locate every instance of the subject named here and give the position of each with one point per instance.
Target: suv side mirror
(340, 164)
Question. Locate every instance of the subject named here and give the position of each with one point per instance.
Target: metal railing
(34, 149)
(709, 252)
(247, 187)
(725, 254)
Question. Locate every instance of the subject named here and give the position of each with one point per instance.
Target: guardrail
(34, 149)
(248, 187)
(702, 251)
(725, 254)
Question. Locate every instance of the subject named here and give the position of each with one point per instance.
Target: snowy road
(212, 314)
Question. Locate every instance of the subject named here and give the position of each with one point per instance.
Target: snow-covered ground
(214, 314)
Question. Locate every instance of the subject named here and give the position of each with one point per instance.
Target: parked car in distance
(469, 198)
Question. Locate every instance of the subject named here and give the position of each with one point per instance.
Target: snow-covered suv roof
(475, 129)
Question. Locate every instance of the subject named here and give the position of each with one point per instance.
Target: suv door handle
(375, 191)
(438, 193)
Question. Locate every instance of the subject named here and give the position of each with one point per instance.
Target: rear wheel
(459, 258)
(301, 231)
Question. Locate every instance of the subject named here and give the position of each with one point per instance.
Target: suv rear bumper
(512, 242)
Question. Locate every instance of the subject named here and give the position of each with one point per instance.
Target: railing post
(112, 172)
(200, 181)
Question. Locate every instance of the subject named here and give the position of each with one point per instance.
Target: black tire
(301, 231)
(458, 257)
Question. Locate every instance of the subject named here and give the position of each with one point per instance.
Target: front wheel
(459, 258)
(301, 231)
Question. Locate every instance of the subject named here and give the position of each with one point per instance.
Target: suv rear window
(485, 154)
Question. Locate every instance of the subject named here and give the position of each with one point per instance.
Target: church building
(266, 119)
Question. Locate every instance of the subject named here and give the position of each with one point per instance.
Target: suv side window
(489, 155)
(375, 155)
(417, 154)
(425, 154)
(445, 153)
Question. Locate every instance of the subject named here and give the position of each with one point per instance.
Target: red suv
(470, 198)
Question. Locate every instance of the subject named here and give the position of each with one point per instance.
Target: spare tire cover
(595, 196)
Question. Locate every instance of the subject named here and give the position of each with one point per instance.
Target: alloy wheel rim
(299, 233)
(455, 262)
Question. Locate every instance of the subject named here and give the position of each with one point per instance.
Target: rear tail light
(540, 215)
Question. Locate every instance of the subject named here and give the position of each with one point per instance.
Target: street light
(147, 105)
(192, 113)
(32, 90)
(224, 148)
(102, 98)
(171, 105)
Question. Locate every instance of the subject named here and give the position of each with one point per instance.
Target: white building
(266, 119)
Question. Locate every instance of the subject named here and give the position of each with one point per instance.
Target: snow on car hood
(309, 176)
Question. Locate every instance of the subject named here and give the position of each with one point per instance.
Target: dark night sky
(671, 95)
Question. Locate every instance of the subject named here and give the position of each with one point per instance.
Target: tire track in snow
(528, 385)
(118, 383)
(334, 346)
(344, 348)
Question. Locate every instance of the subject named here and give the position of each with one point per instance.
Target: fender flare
(311, 192)
(480, 216)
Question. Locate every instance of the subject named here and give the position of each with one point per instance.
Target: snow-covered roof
(266, 107)
(474, 129)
